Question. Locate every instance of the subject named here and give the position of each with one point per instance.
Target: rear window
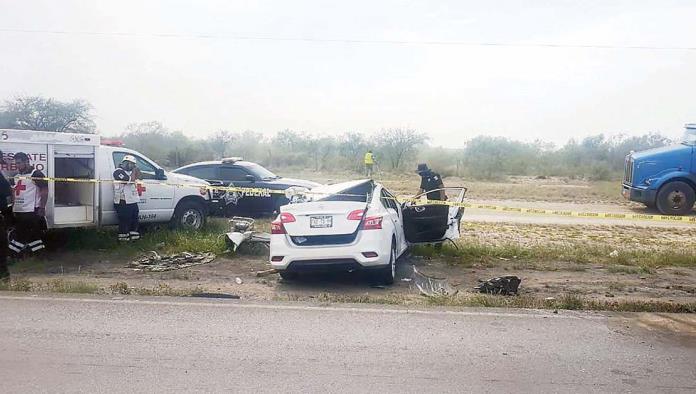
(358, 193)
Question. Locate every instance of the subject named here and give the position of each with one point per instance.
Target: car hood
(293, 182)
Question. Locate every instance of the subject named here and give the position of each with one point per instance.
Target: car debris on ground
(242, 230)
(503, 285)
(154, 262)
(431, 287)
(266, 272)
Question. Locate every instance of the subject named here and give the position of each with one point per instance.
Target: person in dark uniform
(431, 180)
(5, 195)
(29, 207)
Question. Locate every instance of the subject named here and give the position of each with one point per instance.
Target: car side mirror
(250, 178)
(159, 174)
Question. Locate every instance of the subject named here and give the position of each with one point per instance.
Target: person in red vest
(30, 193)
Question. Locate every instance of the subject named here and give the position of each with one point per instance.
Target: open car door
(428, 222)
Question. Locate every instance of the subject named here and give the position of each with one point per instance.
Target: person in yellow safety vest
(369, 163)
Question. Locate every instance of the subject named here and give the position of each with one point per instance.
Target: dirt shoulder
(543, 283)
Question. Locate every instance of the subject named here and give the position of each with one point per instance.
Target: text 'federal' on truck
(664, 178)
(88, 200)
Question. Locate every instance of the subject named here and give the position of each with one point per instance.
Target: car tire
(189, 215)
(287, 275)
(387, 274)
(675, 198)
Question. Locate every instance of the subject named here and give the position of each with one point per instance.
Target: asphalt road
(169, 344)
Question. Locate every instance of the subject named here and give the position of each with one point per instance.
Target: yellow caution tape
(250, 191)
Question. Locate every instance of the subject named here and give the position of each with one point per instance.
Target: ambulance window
(233, 174)
(147, 170)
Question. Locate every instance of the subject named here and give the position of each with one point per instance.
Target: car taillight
(356, 215)
(286, 217)
(277, 228)
(372, 223)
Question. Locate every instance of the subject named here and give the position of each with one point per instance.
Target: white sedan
(355, 225)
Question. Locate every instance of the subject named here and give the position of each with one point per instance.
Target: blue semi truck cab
(664, 178)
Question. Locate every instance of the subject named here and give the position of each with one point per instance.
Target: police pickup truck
(81, 193)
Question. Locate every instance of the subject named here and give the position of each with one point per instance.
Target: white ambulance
(89, 201)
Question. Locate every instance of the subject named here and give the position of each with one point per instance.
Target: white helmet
(129, 158)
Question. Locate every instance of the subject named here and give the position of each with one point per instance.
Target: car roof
(339, 187)
(241, 163)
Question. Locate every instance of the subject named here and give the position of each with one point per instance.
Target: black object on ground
(504, 285)
(215, 295)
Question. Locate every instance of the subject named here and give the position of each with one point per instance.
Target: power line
(345, 41)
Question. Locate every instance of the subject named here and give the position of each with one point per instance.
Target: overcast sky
(205, 77)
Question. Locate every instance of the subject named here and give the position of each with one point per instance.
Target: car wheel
(189, 215)
(388, 273)
(287, 275)
(675, 198)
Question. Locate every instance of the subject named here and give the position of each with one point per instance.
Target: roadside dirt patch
(113, 276)
(613, 237)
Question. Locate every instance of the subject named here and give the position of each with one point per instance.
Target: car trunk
(322, 218)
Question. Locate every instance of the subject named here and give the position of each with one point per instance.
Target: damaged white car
(356, 225)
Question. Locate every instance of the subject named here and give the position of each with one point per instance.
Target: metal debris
(152, 261)
(505, 285)
(242, 231)
(430, 286)
(267, 272)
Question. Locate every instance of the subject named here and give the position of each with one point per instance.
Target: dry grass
(564, 302)
(86, 287)
(522, 188)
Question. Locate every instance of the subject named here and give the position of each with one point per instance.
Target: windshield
(260, 172)
(690, 134)
(358, 191)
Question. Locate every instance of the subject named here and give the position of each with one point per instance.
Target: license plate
(320, 221)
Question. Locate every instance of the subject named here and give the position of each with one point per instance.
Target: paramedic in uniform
(431, 180)
(29, 207)
(5, 195)
(126, 199)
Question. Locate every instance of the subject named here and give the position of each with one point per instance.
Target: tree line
(396, 150)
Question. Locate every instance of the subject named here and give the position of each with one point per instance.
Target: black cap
(21, 156)
(422, 167)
